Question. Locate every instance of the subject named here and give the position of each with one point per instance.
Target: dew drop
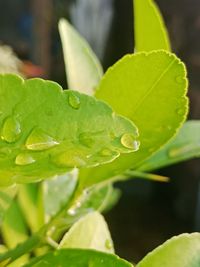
(86, 139)
(179, 79)
(74, 100)
(108, 244)
(24, 159)
(11, 130)
(71, 212)
(128, 140)
(38, 140)
(69, 160)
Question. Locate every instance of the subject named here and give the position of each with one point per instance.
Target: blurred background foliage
(148, 213)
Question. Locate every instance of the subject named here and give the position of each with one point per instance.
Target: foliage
(83, 147)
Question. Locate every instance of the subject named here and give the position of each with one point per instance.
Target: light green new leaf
(150, 89)
(46, 131)
(184, 146)
(150, 31)
(180, 251)
(83, 68)
(90, 232)
(78, 258)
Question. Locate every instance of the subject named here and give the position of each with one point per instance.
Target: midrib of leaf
(148, 92)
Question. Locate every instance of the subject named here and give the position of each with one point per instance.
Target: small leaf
(78, 258)
(83, 69)
(57, 192)
(150, 89)
(44, 134)
(150, 31)
(184, 146)
(183, 250)
(97, 237)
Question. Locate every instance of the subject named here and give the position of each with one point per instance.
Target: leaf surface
(46, 131)
(150, 31)
(97, 237)
(183, 250)
(184, 146)
(78, 258)
(150, 89)
(83, 68)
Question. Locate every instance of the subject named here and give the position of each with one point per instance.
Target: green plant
(79, 141)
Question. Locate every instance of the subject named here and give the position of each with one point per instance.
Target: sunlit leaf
(83, 69)
(150, 31)
(183, 250)
(97, 237)
(184, 146)
(78, 258)
(150, 89)
(46, 131)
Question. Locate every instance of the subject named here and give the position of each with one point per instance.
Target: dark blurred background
(148, 212)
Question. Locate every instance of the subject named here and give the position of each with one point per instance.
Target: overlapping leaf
(46, 131)
(150, 31)
(78, 258)
(184, 146)
(183, 250)
(83, 68)
(150, 89)
(97, 237)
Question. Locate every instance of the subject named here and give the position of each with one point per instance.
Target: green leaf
(57, 192)
(150, 89)
(150, 31)
(183, 250)
(6, 197)
(83, 69)
(97, 237)
(78, 258)
(184, 146)
(46, 131)
(30, 199)
(14, 230)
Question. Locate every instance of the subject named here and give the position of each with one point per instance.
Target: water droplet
(38, 140)
(108, 244)
(24, 159)
(67, 159)
(128, 140)
(180, 111)
(74, 100)
(179, 79)
(11, 130)
(86, 139)
(71, 212)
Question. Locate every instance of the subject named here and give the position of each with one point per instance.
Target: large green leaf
(150, 89)
(180, 251)
(83, 69)
(46, 131)
(184, 146)
(150, 31)
(78, 258)
(97, 237)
